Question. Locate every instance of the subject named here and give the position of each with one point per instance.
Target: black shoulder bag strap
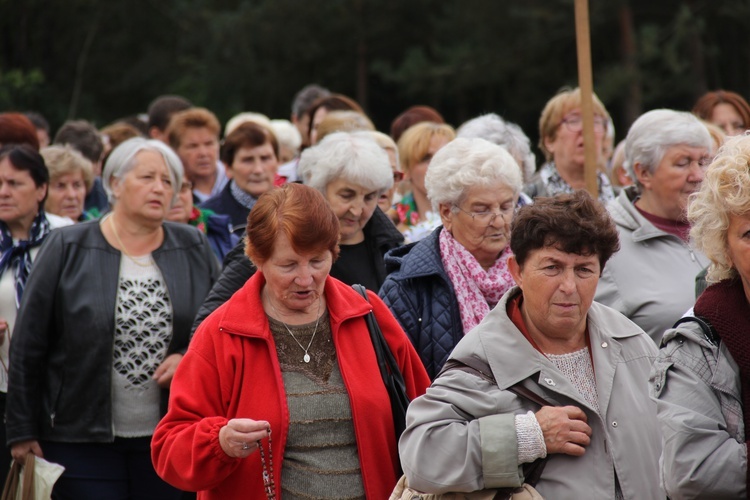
(708, 330)
(533, 471)
(389, 369)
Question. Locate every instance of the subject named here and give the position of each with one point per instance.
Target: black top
(354, 265)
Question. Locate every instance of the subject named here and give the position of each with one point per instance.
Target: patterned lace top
(143, 330)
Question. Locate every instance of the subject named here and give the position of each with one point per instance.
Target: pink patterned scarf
(477, 290)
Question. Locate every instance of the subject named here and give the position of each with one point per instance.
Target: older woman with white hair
(352, 172)
(651, 279)
(493, 128)
(70, 178)
(442, 286)
(104, 321)
(700, 380)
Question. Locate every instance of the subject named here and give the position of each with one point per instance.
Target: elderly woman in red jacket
(280, 392)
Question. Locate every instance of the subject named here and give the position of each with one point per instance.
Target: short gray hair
(383, 140)
(122, 160)
(465, 163)
(656, 131)
(491, 127)
(356, 159)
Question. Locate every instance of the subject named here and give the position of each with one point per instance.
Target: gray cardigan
(61, 352)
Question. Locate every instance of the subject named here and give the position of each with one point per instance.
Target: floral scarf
(17, 255)
(477, 290)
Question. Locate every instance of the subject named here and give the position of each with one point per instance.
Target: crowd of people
(178, 312)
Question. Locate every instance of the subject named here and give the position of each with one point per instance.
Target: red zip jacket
(231, 371)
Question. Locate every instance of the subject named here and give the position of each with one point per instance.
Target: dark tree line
(102, 60)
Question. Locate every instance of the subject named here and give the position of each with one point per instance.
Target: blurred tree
(101, 60)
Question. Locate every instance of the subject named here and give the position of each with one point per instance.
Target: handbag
(532, 471)
(31, 481)
(525, 492)
(389, 370)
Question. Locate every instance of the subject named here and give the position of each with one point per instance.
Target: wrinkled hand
(241, 432)
(565, 429)
(23, 448)
(164, 373)
(3, 329)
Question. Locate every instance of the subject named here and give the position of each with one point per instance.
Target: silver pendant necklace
(306, 357)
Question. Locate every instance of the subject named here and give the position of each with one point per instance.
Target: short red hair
(16, 128)
(704, 106)
(298, 211)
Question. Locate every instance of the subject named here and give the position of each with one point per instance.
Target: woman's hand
(3, 329)
(23, 448)
(565, 429)
(165, 371)
(239, 438)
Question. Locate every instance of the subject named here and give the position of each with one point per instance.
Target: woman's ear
(515, 271)
(41, 192)
(549, 144)
(446, 215)
(115, 183)
(642, 174)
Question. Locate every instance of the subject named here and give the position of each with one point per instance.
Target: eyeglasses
(488, 216)
(574, 123)
(398, 176)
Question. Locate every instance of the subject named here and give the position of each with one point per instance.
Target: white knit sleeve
(530, 438)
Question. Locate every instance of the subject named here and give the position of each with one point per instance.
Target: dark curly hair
(572, 223)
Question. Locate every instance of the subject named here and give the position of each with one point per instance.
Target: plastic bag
(32, 481)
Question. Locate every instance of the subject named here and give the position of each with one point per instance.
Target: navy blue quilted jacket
(421, 297)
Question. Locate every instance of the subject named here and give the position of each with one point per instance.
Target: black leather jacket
(61, 351)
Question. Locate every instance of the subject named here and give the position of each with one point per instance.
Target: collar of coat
(244, 315)
(512, 359)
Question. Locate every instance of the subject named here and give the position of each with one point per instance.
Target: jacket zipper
(53, 412)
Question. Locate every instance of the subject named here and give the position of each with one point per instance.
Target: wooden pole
(585, 82)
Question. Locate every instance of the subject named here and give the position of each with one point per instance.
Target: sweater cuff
(530, 438)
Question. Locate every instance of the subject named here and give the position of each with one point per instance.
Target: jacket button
(550, 381)
(614, 424)
(658, 386)
(604, 345)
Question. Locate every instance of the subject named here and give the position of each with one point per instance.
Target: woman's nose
(304, 278)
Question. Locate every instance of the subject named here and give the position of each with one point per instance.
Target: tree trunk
(632, 107)
(696, 54)
(361, 55)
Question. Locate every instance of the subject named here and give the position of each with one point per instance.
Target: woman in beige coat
(590, 363)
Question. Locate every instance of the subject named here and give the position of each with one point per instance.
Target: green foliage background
(102, 60)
